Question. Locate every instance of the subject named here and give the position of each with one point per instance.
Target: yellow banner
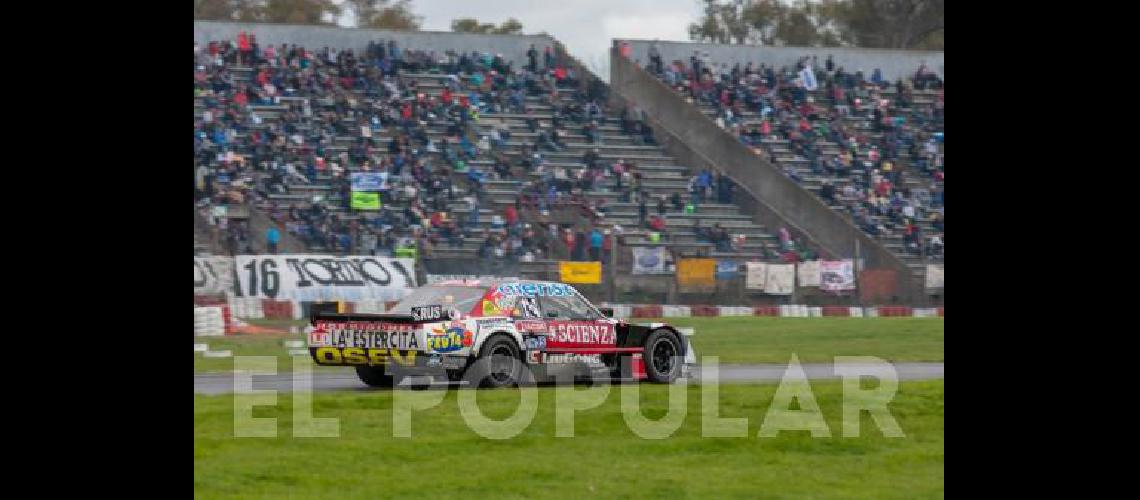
(581, 272)
(700, 272)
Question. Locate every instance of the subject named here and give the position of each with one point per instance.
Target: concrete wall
(893, 63)
(512, 47)
(694, 139)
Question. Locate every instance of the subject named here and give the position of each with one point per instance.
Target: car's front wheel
(497, 365)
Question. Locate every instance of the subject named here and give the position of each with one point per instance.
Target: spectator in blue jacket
(272, 237)
(596, 239)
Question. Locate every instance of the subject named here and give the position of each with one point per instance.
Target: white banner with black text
(213, 275)
(323, 277)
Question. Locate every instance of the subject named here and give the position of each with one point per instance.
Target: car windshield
(462, 298)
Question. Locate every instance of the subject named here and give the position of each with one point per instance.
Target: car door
(574, 325)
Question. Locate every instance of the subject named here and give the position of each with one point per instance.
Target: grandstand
(260, 125)
(488, 160)
(869, 147)
(839, 135)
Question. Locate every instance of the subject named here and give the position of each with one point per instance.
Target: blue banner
(727, 269)
(368, 181)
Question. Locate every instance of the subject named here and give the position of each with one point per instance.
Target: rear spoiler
(319, 315)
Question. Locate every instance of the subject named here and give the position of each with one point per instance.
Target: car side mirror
(607, 311)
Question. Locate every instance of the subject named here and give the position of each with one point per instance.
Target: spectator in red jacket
(883, 188)
(243, 47)
(568, 239)
(240, 97)
(511, 215)
(805, 126)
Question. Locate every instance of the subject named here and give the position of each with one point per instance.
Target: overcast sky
(585, 26)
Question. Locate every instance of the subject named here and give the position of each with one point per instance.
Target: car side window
(567, 307)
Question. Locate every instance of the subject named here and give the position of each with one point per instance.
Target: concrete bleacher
(779, 151)
(661, 174)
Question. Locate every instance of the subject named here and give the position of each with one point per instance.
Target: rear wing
(316, 315)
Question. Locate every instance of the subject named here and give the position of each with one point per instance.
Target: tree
(720, 24)
(385, 14)
(225, 10)
(796, 27)
(299, 11)
(894, 24)
(763, 19)
(469, 25)
(511, 26)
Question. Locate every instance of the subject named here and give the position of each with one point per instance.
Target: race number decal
(527, 308)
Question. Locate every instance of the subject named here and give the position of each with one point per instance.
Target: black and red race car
(496, 334)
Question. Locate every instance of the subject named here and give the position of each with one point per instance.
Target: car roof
(520, 282)
(493, 284)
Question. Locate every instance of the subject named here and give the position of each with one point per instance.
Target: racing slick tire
(375, 376)
(663, 357)
(498, 364)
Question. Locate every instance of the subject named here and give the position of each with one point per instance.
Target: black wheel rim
(502, 366)
(663, 353)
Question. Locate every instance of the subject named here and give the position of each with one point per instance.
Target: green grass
(445, 459)
(250, 345)
(773, 340)
(735, 339)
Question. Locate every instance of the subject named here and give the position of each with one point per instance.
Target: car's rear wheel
(455, 375)
(497, 365)
(662, 357)
(375, 376)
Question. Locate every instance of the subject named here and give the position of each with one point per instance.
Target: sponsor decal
(427, 313)
(365, 334)
(362, 356)
(534, 357)
(453, 362)
(535, 342)
(434, 360)
(446, 340)
(491, 309)
(536, 289)
(580, 334)
(491, 323)
(319, 335)
(560, 358)
(531, 326)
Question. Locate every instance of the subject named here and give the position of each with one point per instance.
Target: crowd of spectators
(877, 130)
(281, 128)
(277, 120)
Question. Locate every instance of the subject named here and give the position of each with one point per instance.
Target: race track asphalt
(345, 379)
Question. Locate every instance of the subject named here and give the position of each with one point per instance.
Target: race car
(497, 334)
